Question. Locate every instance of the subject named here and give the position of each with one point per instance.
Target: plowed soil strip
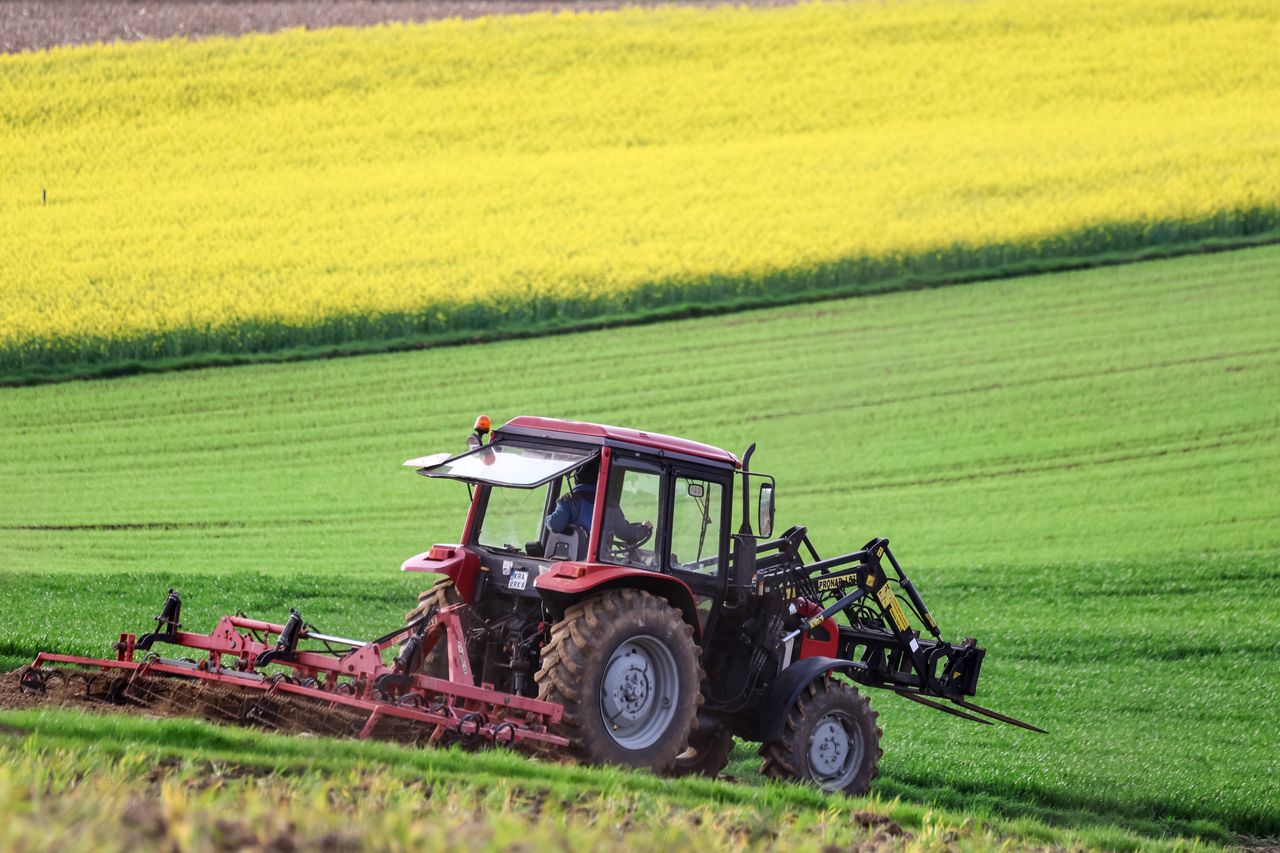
(165, 697)
(45, 24)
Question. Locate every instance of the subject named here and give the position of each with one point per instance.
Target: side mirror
(764, 511)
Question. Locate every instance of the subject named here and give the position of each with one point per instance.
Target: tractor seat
(571, 545)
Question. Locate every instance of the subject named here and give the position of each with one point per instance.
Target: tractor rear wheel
(707, 753)
(625, 667)
(830, 739)
(442, 594)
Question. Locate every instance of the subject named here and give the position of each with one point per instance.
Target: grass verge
(69, 780)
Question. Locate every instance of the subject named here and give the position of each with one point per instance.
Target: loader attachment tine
(998, 716)
(915, 697)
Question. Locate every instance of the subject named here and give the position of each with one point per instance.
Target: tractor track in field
(1066, 465)
(144, 525)
(42, 24)
(824, 407)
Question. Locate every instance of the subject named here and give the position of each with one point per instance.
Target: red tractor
(618, 595)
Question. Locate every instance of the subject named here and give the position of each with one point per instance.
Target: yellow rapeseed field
(460, 175)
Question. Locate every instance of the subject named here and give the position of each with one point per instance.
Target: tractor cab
(554, 499)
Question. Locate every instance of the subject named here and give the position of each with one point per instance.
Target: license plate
(518, 580)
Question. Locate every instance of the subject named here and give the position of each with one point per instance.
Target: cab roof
(622, 435)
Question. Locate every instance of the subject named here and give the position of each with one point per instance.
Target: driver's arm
(624, 529)
(561, 516)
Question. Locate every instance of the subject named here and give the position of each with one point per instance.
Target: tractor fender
(459, 564)
(786, 689)
(563, 584)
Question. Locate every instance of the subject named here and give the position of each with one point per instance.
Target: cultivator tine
(34, 680)
(136, 689)
(998, 716)
(260, 712)
(217, 704)
(117, 689)
(916, 697)
(369, 724)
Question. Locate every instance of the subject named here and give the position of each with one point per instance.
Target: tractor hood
(506, 463)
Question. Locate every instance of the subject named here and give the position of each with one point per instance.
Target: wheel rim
(835, 752)
(639, 691)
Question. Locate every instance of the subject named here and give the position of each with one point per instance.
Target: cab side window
(631, 514)
(695, 526)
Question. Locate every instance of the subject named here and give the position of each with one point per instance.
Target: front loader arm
(856, 589)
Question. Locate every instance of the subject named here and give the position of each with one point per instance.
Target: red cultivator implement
(255, 672)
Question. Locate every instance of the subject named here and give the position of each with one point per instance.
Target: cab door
(696, 541)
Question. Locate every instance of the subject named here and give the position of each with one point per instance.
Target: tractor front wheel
(625, 667)
(830, 739)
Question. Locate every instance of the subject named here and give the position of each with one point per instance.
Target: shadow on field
(262, 342)
(1051, 807)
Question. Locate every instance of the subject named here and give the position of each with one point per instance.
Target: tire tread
(786, 758)
(574, 645)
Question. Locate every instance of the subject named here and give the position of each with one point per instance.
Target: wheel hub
(835, 752)
(638, 692)
(635, 689)
(829, 748)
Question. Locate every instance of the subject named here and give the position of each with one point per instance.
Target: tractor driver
(575, 510)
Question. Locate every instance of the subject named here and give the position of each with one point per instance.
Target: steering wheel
(629, 548)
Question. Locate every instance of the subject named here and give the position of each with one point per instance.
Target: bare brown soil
(40, 24)
(172, 697)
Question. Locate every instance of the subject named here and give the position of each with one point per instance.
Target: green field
(1079, 469)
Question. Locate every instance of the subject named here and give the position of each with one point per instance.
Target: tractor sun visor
(506, 463)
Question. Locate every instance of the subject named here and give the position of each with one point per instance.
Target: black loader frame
(875, 647)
